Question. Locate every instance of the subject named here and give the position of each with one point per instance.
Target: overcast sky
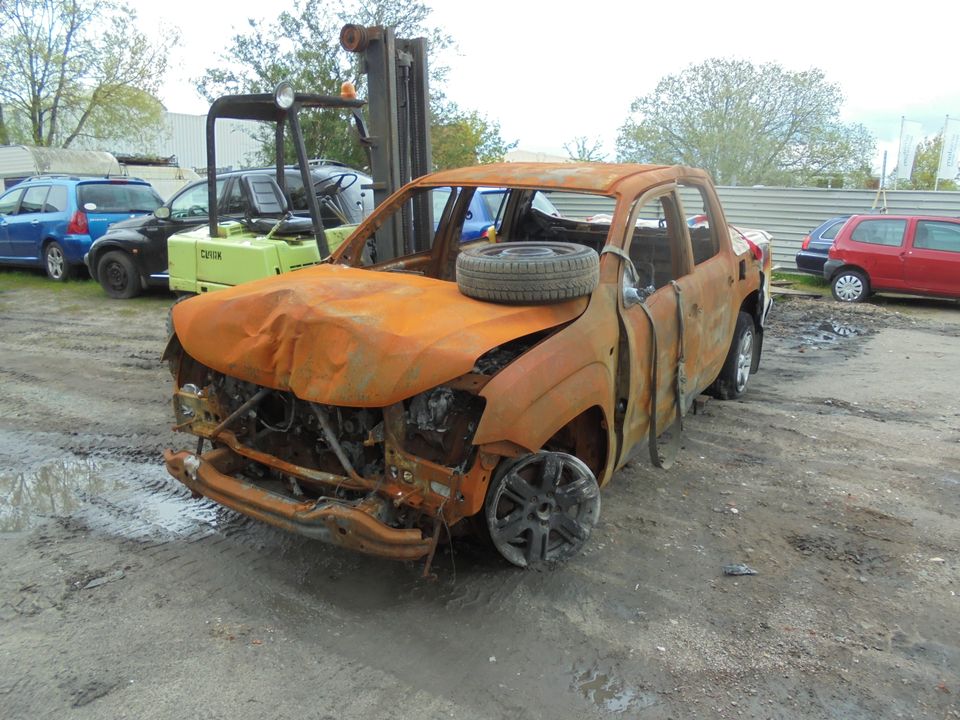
(551, 71)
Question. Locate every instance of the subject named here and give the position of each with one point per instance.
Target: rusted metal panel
(601, 178)
(556, 380)
(345, 336)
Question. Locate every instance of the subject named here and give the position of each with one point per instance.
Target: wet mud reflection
(55, 489)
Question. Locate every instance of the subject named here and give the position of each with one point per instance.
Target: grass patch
(29, 280)
(78, 289)
(801, 279)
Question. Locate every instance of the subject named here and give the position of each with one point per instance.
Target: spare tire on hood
(524, 273)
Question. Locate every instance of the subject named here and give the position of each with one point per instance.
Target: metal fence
(790, 213)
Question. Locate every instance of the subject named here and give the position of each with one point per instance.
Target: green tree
(925, 165)
(302, 46)
(466, 138)
(583, 149)
(73, 69)
(746, 125)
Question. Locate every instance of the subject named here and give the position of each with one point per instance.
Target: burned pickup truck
(489, 386)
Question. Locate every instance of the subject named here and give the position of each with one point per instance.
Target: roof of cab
(585, 177)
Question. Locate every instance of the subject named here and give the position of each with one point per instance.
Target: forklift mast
(399, 116)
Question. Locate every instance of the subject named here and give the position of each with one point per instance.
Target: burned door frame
(711, 315)
(672, 304)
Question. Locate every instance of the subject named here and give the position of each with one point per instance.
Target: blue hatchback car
(50, 220)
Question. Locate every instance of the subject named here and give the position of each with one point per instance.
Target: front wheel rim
(849, 288)
(116, 277)
(55, 262)
(543, 508)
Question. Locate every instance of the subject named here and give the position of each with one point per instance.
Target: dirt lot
(837, 479)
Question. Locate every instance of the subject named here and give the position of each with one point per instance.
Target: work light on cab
(284, 95)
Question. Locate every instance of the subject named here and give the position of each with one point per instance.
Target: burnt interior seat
(652, 256)
(539, 226)
(703, 246)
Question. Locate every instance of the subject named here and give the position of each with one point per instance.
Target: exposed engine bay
(437, 425)
(403, 466)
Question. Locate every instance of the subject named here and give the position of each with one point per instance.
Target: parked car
(51, 220)
(485, 209)
(373, 403)
(133, 255)
(913, 254)
(815, 246)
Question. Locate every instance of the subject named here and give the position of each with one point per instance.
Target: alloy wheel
(55, 262)
(542, 508)
(744, 359)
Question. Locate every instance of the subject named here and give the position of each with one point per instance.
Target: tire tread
(518, 281)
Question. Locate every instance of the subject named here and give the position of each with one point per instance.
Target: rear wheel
(733, 378)
(850, 285)
(541, 508)
(55, 262)
(118, 275)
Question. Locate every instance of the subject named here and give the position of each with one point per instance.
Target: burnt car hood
(343, 336)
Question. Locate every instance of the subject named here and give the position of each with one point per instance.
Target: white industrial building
(185, 137)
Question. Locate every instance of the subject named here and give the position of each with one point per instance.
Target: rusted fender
(348, 526)
(550, 385)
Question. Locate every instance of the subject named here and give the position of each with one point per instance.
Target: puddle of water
(829, 332)
(602, 691)
(132, 500)
(841, 329)
(601, 687)
(54, 489)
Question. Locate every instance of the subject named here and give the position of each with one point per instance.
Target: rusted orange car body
(369, 403)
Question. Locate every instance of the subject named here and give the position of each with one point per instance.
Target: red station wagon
(915, 254)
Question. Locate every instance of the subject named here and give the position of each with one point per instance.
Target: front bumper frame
(352, 526)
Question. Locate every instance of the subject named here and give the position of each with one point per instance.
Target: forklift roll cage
(265, 107)
(398, 150)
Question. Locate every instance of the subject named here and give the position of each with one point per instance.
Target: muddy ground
(837, 479)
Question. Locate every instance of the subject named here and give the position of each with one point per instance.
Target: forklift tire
(527, 273)
(118, 275)
(180, 298)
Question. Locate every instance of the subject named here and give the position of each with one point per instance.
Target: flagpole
(943, 147)
(896, 174)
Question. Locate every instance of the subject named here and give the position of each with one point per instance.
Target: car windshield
(455, 216)
(117, 198)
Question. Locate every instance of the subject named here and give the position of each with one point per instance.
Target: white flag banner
(910, 136)
(950, 157)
